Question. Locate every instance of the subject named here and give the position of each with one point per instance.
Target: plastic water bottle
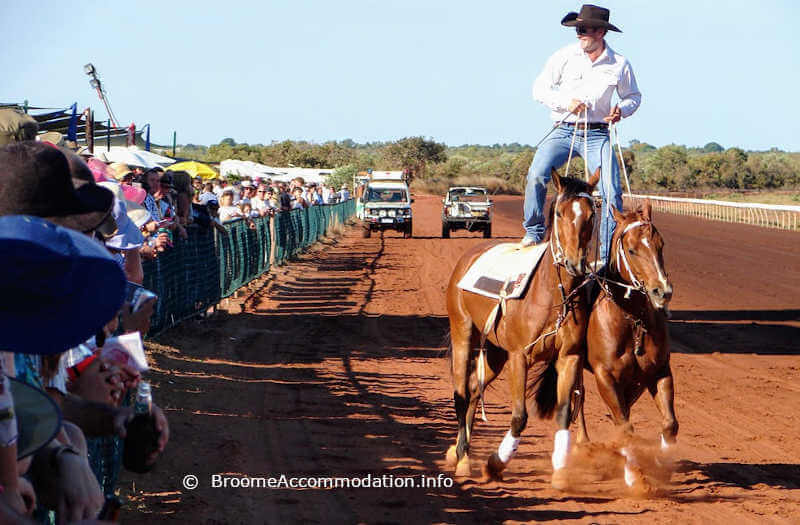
(144, 399)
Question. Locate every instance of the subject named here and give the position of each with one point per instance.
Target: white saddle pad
(505, 268)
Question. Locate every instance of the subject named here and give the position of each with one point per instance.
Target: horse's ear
(618, 216)
(647, 211)
(556, 179)
(594, 179)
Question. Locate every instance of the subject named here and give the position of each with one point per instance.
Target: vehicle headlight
(390, 213)
(382, 213)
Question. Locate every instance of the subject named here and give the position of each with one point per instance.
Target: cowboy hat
(590, 16)
(57, 286)
(35, 180)
(38, 417)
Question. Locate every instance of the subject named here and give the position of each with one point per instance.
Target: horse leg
(583, 435)
(493, 364)
(664, 395)
(613, 397)
(568, 367)
(460, 356)
(499, 460)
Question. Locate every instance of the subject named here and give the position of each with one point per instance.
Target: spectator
(182, 184)
(299, 201)
(259, 201)
(344, 194)
(227, 211)
(284, 197)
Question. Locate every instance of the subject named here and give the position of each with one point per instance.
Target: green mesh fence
(210, 265)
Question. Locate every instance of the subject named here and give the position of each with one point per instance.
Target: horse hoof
(559, 480)
(493, 469)
(451, 457)
(463, 469)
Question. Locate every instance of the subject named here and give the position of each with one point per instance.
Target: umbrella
(194, 169)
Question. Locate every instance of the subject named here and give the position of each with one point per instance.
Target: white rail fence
(766, 215)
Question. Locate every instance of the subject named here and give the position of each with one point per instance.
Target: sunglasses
(582, 30)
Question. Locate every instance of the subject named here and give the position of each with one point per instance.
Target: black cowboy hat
(590, 16)
(35, 179)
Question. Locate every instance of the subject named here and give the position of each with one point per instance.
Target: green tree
(342, 175)
(414, 154)
(712, 147)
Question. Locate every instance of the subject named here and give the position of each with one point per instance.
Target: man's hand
(101, 382)
(138, 321)
(576, 106)
(162, 242)
(122, 416)
(79, 495)
(614, 115)
(28, 495)
(163, 428)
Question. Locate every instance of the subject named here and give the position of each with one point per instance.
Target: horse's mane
(570, 187)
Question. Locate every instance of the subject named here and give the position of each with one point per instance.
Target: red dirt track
(338, 367)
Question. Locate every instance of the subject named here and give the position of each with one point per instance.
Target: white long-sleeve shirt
(570, 74)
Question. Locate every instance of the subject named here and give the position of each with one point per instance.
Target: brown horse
(627, 339)
(546, 325)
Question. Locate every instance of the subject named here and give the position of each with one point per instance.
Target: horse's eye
(558, 214)
(631, 252)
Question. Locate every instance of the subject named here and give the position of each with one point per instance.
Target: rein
(558, 251)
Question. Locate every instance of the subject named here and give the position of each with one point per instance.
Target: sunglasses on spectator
(583, 30)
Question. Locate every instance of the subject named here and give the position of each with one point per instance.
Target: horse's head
(637, 254)
(572, 221)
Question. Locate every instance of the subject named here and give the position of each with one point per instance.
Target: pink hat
(100, 171)
(133, 194)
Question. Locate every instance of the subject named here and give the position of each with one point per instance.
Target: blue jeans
(552, 153)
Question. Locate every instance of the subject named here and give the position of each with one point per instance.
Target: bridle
(636, 284)
(558, 251)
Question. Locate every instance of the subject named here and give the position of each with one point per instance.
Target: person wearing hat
(51, 274)
(577, 84)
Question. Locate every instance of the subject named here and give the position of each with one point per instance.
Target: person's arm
(629, 96)
(65, 483)
(545, 87)
(133, 266)
(93, 418)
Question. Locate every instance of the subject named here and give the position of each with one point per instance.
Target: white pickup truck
(387, 204)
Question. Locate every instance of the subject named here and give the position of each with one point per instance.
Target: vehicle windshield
(468, 195)
(386, 195)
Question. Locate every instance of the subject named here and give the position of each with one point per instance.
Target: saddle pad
(504, 263)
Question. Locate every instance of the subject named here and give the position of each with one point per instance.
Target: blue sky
(457, 71)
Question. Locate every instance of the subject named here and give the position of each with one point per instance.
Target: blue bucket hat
(58, 287)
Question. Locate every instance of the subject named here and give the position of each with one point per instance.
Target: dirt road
(337, 367)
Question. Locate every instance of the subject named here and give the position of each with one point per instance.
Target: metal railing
(779, 216)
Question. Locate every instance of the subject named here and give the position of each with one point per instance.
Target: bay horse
(627, 338)
(547, 325)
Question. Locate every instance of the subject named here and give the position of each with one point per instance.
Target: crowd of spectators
(248, 199)
(74, 232)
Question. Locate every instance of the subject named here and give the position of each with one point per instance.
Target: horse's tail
(543, 388)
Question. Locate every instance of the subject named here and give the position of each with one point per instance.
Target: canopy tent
(250, 169)
(132, 156)
(194, 169)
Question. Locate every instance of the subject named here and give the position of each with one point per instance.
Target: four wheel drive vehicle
(467, 208)
(387, 206)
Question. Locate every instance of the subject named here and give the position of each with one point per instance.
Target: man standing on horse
(577, 84)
